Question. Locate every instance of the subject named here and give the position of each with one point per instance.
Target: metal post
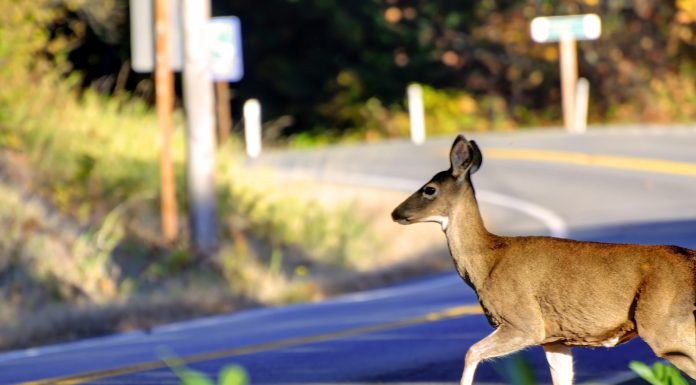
(416, 113)
(582, 99)
(569, 76)
(252, 127)
(200, 123)
(164, 86)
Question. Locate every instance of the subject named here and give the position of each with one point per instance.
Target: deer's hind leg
(668, 326)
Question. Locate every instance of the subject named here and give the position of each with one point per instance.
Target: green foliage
(229, 375)
(233, 375)
(447, 111)
(659, 374)
(515, 370)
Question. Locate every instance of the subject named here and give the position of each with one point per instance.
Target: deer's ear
(465, 157)
(476, 157)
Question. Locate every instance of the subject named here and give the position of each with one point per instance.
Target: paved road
(419, 331)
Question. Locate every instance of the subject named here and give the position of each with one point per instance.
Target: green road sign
(555, 28)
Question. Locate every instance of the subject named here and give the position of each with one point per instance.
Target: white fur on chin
(443, 221)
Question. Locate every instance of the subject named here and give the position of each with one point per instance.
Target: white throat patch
(443, 221)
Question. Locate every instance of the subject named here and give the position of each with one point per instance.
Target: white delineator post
(569, 77)
(252, 127)
(416, 113)
(200, 126)
(582, 99)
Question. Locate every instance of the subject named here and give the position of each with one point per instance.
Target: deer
(554, 292)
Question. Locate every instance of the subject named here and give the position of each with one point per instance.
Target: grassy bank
(79, 198)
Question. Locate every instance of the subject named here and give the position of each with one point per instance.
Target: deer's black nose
(399, 216)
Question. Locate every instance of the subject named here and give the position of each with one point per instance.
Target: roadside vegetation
(517, 370)
(228, 375)
(514, 370)
(659, 374)
(81, 252)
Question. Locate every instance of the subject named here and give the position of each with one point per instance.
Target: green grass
(94, 165)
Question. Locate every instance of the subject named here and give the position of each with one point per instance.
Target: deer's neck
(471, 245)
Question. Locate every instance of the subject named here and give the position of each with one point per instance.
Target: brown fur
(550, 291)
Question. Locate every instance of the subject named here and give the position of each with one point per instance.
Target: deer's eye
(429, 192)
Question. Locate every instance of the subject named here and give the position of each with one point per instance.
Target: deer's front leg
(502, 341)
(561, 362)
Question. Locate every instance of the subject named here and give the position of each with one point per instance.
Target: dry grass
(58, 322)
(400, 252)
(395, 243)
(397, 253)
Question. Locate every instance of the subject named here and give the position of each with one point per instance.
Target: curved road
(625, 185)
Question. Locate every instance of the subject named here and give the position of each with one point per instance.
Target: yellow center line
(597, 160)
(453, 312)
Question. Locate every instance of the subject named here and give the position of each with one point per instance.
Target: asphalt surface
(418, 332)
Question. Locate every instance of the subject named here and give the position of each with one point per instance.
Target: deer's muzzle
(398, 216)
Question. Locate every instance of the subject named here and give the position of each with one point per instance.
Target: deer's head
(435, 200)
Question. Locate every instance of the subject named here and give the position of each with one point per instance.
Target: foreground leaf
(645, 372)
(233, 375)
(192, 377)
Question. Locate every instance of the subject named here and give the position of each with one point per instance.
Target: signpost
(226, 48)
(213, 51)
(227, 66)
(223, 36)
(142, 33)
(567, 30)
(556, 28)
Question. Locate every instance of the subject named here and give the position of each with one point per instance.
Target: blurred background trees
(327, 67)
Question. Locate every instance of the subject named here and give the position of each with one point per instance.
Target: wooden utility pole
(164, 86)
(200, 126)
(567, 30)
(224, 113)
